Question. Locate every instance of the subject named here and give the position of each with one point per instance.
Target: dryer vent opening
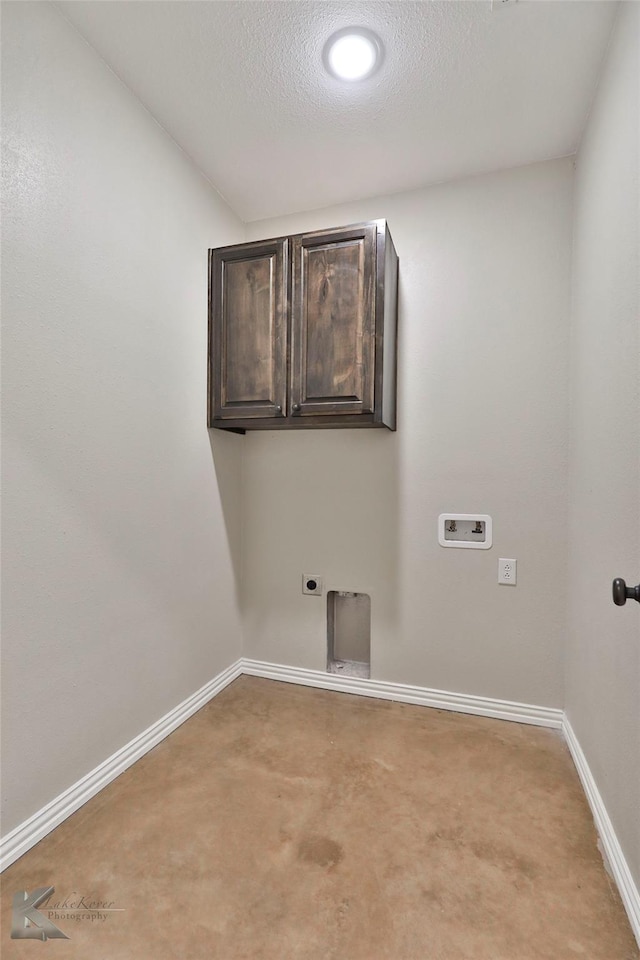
(349, 633)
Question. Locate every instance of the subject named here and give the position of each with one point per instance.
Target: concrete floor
(286, 823)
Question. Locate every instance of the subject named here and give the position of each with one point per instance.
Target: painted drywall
(603, 657)
(120, 515)
(482, 426)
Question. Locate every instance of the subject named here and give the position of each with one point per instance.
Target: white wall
(483, 363)
(603, 661)
(119, 592)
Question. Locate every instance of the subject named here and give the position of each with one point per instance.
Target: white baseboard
(43, 822)
(405, 693)
(629, 892)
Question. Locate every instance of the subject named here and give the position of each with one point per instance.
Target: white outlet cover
(307, 579)
(469, 518)
(507, 571)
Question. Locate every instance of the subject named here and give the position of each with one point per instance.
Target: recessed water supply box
(349, 633)
(469, 530)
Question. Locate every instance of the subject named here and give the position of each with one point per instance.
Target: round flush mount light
(353, 53)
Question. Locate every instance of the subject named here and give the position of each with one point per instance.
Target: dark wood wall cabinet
(302, 331)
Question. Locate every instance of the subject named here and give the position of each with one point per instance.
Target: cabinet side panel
(389, 371)
(248, 317)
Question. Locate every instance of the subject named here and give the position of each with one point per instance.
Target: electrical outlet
(507, 572)
(312, 584)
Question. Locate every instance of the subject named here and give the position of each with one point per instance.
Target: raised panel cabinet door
(248, 331)
(333, 322)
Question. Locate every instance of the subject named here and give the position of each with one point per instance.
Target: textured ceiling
(463, 89)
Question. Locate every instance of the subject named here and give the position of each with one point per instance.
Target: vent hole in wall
(349, 633)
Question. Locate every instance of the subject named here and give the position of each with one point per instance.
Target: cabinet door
(333, 322)
(248, 330)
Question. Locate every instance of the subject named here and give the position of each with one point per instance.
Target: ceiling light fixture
(353, 53)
